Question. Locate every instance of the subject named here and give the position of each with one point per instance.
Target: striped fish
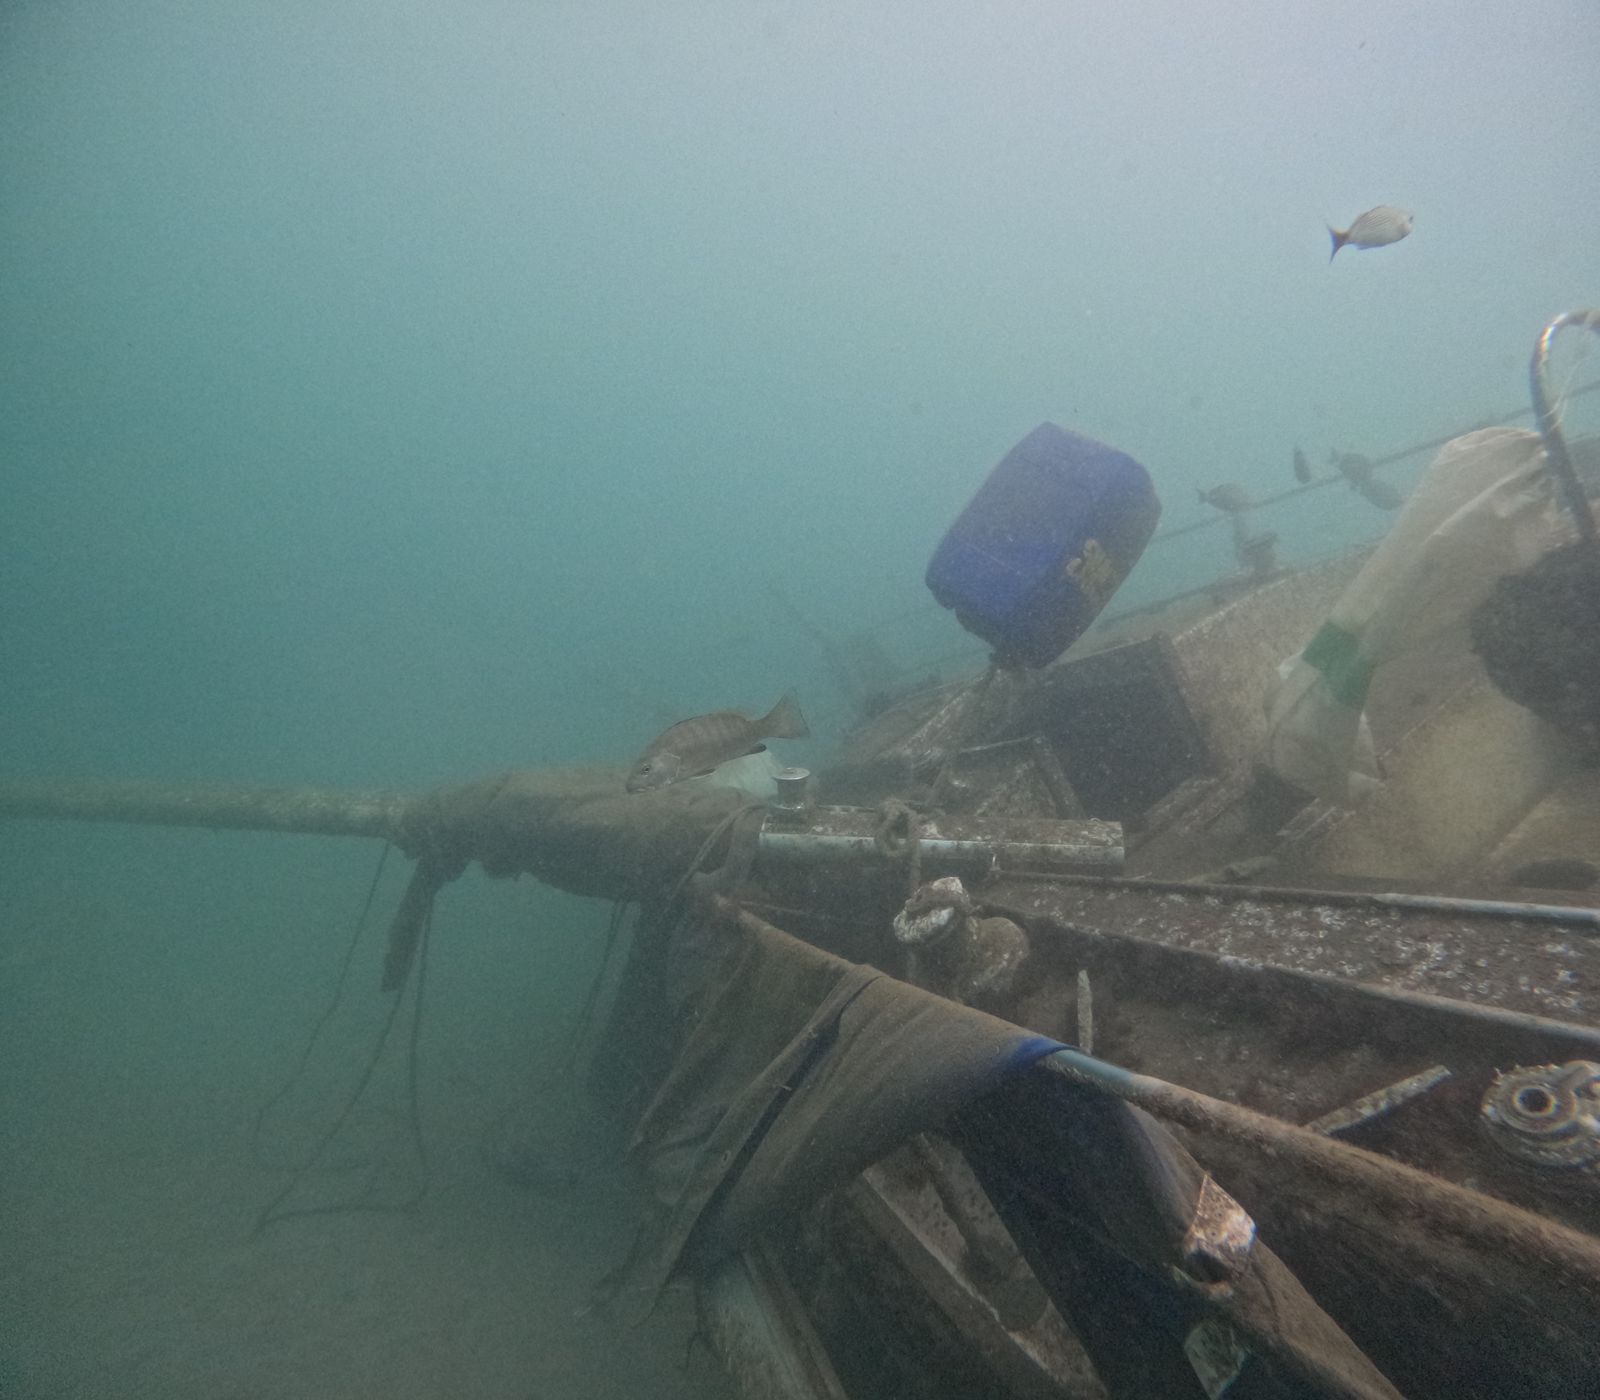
(695, 746)
(1374, 229)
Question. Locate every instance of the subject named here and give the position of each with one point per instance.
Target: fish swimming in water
(1381, 494)
(1355, 468)
(1302, 468)
(696, 746)
(1358, 471)
(1374, 229)
(1229, 496)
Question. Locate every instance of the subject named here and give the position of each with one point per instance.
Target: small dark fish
(1302, 468)
(1229, 496)
(1374, 229)
(1381, 494)
(695, 746)
(1355, 468)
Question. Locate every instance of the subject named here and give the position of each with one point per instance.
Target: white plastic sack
(1482, 510)
(753, 774)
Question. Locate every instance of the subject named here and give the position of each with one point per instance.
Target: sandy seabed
(135, 1057)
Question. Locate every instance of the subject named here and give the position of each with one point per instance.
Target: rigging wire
(273, 1213)
(256, 1154)
(928, 608)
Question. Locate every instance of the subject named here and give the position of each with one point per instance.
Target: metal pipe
(1587, 920)
(309, 811)
(1548, 416)
(1494, 908)
(802, 847)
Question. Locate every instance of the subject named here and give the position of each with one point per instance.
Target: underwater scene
(820, 701)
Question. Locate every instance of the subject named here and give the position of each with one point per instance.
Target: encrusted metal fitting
(793, 798)
(950, 950)
(1548, 1115)
(937, 910)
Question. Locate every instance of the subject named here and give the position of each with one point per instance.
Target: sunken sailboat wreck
(1204, 1004)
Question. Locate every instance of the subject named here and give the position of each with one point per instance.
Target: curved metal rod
(1548, 416)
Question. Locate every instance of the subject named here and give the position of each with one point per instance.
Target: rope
(717, 833)
(273, 1211)
(897, 833)
(256, 1153)
(585, 1024)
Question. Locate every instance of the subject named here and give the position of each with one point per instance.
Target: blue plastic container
(1044, 544)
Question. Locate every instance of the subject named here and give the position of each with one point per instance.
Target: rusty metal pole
(217, 807)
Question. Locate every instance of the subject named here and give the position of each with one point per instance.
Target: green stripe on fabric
(1335, 652)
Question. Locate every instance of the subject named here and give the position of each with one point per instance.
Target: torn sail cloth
(803, 1069)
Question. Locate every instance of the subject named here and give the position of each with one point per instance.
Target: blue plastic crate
(1044, 544)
